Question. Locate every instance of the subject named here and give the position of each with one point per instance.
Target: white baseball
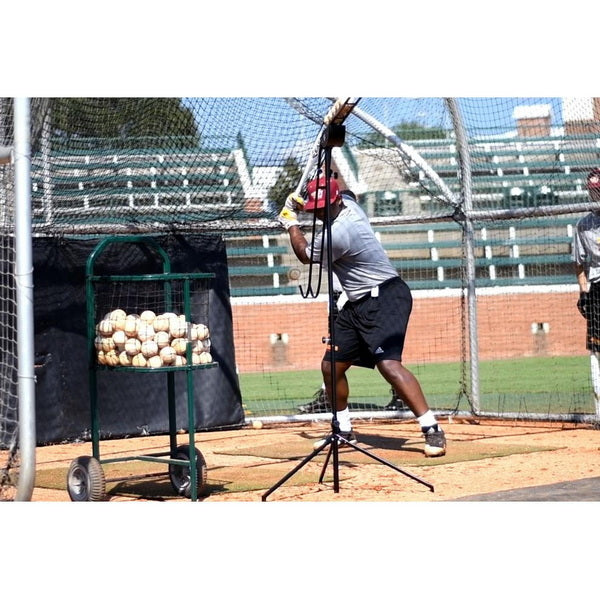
(162, 338)
(130, 325)
(180, 361)
(124, 359)
(203, 358)
(105, 327)
(145, 331)
(98, 342)
(139, 360)
(179, 345)
(161, 322)
(117, 318)
(201, 331)
(119, 337)
(167, 354)
(133, 346)
(148, 316)
(155, 361)
(177, 327)
(149, 348)
(111, 358)
(108, 344)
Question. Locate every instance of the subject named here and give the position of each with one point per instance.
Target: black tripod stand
(334, 136)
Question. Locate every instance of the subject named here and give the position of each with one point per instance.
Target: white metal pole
(24, 285)
(465, 170)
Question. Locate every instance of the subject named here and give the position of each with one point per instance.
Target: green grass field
(546, 385)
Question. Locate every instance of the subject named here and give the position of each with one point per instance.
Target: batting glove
(288, 218)
(294, 202)
(582, 303)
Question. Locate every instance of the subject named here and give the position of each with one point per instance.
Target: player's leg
(383, 325)
(405, 384)
(409, 389)
(595, 373)
(338, 378)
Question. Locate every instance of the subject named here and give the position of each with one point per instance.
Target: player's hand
(288, 218)
(294, 202)
(582, 303)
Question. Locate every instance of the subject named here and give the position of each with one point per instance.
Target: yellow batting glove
(294, 202)
(288, 218)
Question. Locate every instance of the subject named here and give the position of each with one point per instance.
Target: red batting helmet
(316, 190)
(593, 179)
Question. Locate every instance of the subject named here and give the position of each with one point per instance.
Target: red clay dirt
(483, 457)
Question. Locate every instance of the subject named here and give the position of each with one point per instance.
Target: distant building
(533, 120)
(581, 115)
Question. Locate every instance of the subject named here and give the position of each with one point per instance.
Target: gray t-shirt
(586, 245)
(359, 260)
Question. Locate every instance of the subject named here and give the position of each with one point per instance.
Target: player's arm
(582, 279)
(288, 218)
(299, 244)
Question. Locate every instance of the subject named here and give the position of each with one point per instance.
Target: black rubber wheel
(85, 480)
(180, 475)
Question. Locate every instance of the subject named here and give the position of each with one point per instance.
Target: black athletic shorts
(593, 318)
(374, 327)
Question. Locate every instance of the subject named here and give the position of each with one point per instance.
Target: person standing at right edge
(371, 326)
(586, 256)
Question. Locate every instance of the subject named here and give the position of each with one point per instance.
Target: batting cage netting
(474, 200)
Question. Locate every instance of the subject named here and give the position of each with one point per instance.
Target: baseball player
(586, 256)
(371, 326)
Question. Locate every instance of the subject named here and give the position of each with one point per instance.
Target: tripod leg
(325, 464)
(297, 468)
(389, 464)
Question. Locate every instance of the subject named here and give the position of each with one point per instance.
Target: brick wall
(270, 337)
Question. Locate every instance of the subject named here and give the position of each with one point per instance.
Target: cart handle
(128, 239)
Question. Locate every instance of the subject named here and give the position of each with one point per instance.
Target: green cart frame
(186, 465)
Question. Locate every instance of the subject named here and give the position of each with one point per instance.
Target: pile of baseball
(150, 340)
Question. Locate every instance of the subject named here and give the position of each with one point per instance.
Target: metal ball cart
(187, 467)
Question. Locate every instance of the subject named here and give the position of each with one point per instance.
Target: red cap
(316, 190)
(593, 179)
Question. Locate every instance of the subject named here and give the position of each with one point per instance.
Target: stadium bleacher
(507, 173)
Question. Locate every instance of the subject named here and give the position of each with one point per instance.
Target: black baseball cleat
(395, 403)
(320, 404)
(435, 442)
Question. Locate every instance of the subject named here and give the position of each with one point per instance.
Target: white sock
(595, 373)
(427, 420)
(343, 417)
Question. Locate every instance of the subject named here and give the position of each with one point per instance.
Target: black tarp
(130, 404)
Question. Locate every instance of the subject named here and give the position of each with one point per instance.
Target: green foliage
(408, 131)
(414, 131)
(124, 118)
(286, 182)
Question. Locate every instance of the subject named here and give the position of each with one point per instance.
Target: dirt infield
(485, 460)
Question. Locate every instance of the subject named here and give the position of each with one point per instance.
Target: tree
(286, 182)
(407, 131)
(124, 118)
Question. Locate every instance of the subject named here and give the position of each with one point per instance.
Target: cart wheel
(85, 480)
(180, 475)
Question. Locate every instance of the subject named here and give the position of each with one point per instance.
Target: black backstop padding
(129, 403)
